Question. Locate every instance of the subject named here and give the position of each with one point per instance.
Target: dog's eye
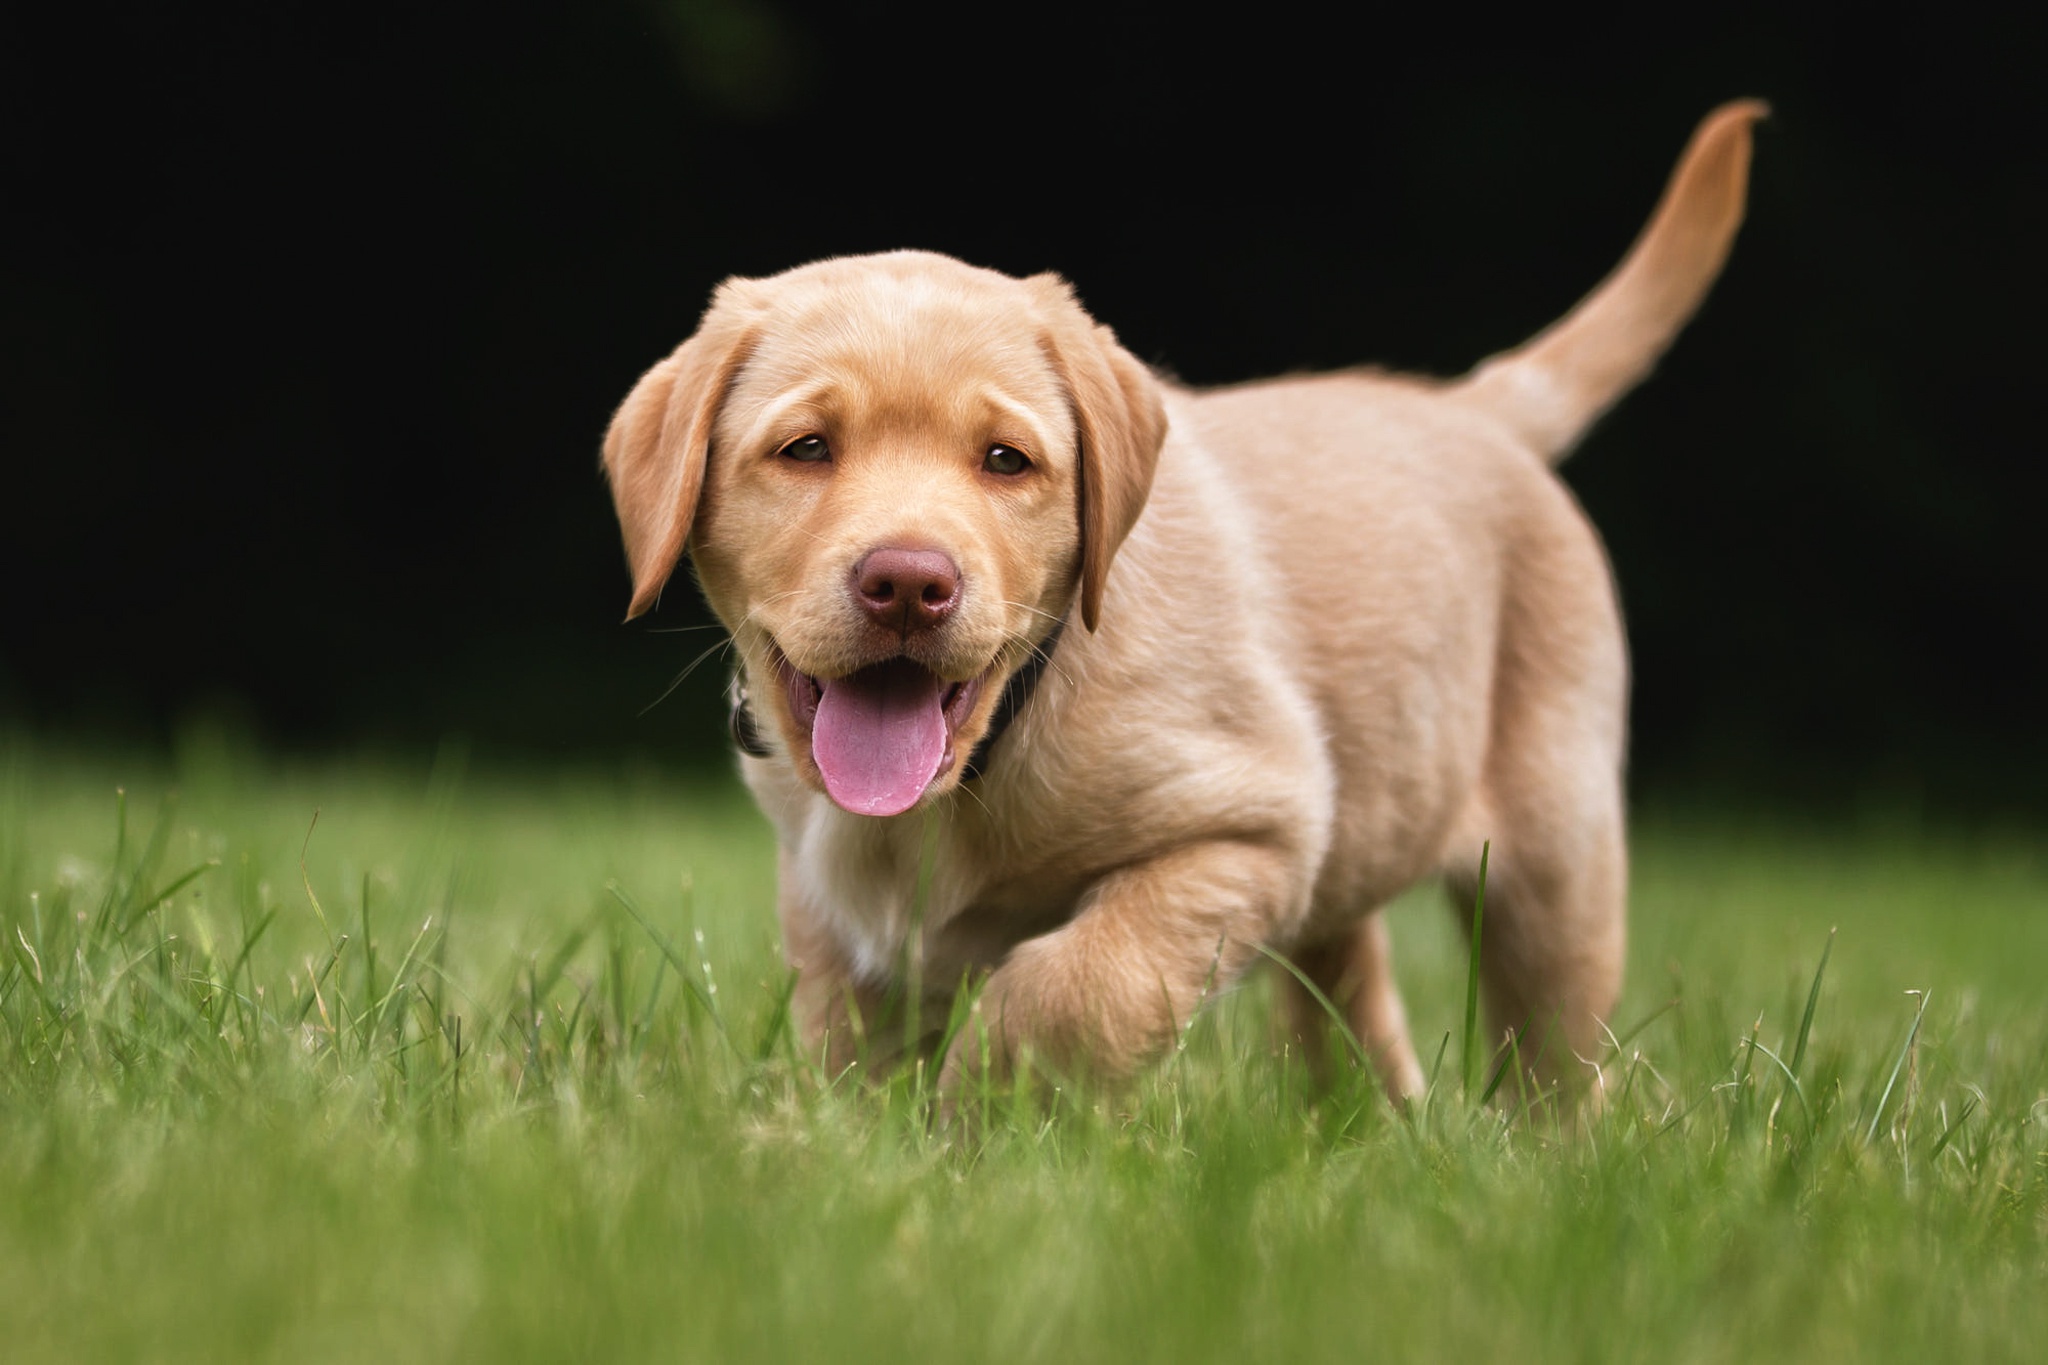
(1005, 460)
(809, 449)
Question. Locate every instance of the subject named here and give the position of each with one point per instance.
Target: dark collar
(1016, 692)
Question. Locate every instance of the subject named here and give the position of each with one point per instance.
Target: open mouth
(879, 736)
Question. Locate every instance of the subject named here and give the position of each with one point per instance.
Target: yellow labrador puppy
(1167, 675)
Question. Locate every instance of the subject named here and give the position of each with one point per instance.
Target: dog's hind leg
(1552, 937)
(1355, 973)
(1549, 801)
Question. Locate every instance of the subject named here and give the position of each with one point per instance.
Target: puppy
(1161, 676)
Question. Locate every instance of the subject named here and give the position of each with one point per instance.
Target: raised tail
(1551, 388)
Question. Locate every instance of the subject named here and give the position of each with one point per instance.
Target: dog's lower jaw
(911, 780)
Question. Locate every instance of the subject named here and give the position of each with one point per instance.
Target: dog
(1158, 679)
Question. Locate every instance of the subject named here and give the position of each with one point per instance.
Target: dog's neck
(1016, 693)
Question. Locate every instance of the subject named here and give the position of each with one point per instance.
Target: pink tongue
(880, 736)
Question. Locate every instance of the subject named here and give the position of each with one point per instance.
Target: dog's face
(894, 474)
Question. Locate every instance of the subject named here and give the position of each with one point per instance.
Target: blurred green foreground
(504, 1074)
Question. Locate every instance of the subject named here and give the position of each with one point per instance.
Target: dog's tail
(1551, 388)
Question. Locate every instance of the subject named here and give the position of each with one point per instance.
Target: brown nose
(903, 589)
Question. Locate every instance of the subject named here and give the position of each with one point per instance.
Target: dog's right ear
(1122, 426)
(659, 443)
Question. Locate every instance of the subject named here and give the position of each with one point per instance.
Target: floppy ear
(660, 439)
(1122, 425)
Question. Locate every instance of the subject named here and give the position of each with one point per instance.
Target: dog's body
(1355, 629)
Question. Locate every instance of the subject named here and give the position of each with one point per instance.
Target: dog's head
(894, 475)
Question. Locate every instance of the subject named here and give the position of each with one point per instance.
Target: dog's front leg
(841, 1020)
(1107, 992)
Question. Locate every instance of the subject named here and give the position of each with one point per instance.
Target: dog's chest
(920, 889)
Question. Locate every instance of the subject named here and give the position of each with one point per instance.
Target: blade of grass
(1953, 1128)
(1512, 1061)
(145, 868)
(306, 880)
(313, 989)
(1316, 994)
(382, 1007)
(136, 912)
(369, 956)
(249, 946)
(667, 950)
(1798, 1091)
(1905, 1051)
(1812, 1001)
(1636, 1030)
(1182, 1031)
(1748, 1046)
(779, 1021)
(645, 1022)
(1472, 974)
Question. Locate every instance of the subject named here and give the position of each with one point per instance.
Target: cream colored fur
(1327, 636)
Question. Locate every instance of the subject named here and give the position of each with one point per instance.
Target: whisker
(688, 669)
(1033, 648)
(764, 603)
(963, 787)
(1026, 606)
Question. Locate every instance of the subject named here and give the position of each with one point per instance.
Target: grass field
(504, 1076)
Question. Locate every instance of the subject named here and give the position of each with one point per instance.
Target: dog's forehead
(915, 328)
(903, 276)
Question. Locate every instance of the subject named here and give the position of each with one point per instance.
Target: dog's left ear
(660, 442)
(1122, 426)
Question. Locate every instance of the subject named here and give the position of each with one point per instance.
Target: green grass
(236, 1122)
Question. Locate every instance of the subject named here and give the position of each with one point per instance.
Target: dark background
(313, 319)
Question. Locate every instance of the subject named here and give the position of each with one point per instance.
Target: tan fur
(1329, 635)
